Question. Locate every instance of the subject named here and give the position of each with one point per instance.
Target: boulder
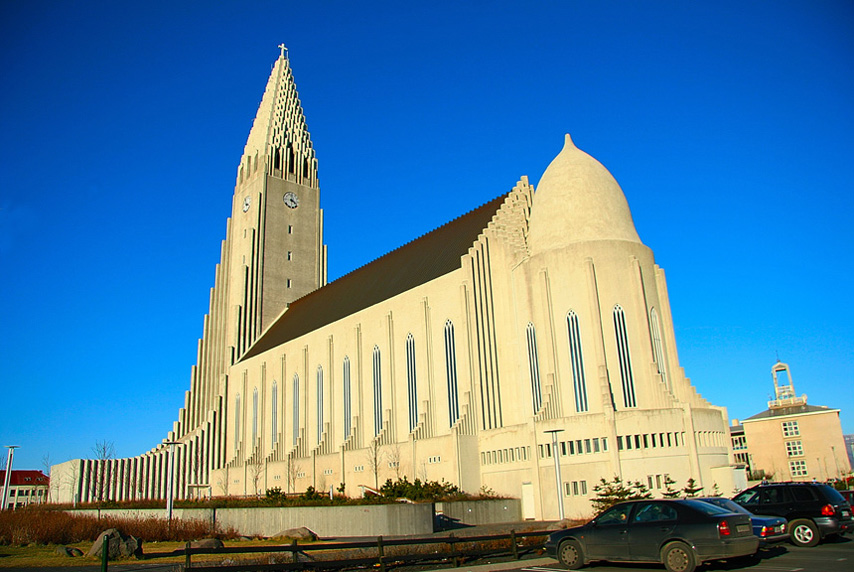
(301, 533)
(68, 551)
(120, 545)
(207, 543)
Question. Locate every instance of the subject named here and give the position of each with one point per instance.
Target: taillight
(766, 530)
(723, 528)
(828, 510)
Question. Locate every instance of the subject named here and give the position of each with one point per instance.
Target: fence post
(105, 552)
(187, 551)
(380, 553)
(515, 546)
(294, 550)
(453, 542)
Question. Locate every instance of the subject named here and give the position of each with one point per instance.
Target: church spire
(279, 132)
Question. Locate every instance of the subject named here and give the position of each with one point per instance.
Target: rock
(301, 533)
(120, 545)
(207, 543)
(69, 551)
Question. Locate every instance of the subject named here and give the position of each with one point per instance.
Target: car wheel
(803, 533)
(678, 557)
(570, 555)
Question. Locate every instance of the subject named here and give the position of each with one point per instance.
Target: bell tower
(276, 228)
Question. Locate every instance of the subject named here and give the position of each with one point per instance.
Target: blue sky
(729, 125)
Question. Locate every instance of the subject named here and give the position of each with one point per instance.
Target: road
(830, 556)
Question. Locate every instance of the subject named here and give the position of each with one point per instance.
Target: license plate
(742, 528)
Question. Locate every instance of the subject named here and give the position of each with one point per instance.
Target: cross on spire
(284, 49)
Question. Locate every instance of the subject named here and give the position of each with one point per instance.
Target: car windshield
(726, 504)
(706, 508)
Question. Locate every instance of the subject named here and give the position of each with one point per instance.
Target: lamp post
(556, 456)
(170, 472)
(8, 478)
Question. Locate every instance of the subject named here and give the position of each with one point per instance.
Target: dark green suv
(814, 510)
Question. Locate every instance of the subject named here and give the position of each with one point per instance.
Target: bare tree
(374, 457)
(293, 472)
(103, 451)
(46, 464)
(256, 471)
(223, 481)
(394, 455)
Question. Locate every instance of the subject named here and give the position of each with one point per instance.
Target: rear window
(706, 508)
(832, 494)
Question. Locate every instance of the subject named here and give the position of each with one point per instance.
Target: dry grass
(43, 527)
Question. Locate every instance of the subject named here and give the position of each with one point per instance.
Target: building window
(790, 429)
(624, 357)
(794, 449)
(657, 346)
(319, 402)
(378, 391)
(451, 373)
(274, 413)
(798, 468)
(347, 402)
(534, 369)
(296, 409)
(577, 361)
(410, 381)
(236, 421)
(254, 415)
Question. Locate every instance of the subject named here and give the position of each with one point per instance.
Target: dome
(578, 200)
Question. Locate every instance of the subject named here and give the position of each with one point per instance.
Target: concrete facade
(447, 359)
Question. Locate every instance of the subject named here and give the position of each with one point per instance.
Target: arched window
(274, 413)
(624, 357)
(378, 392)
(319, 402)
(347, 400)
(657, 346)
(296, 409)
(451, 373)
(410, 381)
(236, 421)
(254, 416)
(577, 361)
(534, 369)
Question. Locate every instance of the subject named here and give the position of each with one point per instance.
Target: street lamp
(171, 479)
(556, 456)
(8, 478)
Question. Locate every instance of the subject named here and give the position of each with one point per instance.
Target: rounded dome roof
(578, 200)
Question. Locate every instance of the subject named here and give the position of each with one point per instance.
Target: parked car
(681, 534)
(814, 511)
(769, 529)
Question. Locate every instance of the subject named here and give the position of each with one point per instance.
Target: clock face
(291, 200)
(247, 202)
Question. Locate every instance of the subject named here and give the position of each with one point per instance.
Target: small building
(25, 488)
(791, 440)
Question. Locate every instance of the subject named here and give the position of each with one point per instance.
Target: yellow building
(791, 440)
(454, 357)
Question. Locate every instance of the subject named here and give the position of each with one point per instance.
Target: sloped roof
(25, 477)
(794, 410)
(426, 258)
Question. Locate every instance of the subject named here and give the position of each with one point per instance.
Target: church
(525, 348)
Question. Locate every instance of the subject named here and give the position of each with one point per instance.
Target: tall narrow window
(254, 416)
(410, 381)
(236, 421)
(624, 357)
(534, 369)
(577, 361)
(378, 392)
(657, 346)
(274, 413)
(296, 410)
(347, 403)
(451, 373)
(319, 402)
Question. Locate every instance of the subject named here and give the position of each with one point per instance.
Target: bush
(418, 491)
(40, 526)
